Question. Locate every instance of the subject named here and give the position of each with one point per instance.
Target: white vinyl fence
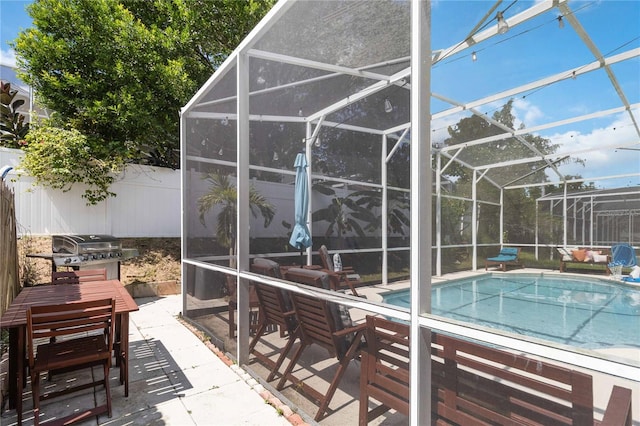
(147, 204)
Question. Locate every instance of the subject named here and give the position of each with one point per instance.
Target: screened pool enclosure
(435, 133)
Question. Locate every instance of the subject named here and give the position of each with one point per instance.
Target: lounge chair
(507, 256)
(624, 254)
(345, 276)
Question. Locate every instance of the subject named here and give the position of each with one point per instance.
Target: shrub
(59, 158)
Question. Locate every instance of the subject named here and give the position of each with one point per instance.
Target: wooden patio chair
(347, 276)
(261, 266)
(276, 309)
(79, 345)
(321, 322)
(384, 373)
(233, 306)
(88, 275)
(79, 276)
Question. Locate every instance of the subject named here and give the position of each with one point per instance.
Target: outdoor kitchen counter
(15, 320)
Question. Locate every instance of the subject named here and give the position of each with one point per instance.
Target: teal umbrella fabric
(300, 236)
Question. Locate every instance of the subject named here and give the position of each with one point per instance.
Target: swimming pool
(588, 313)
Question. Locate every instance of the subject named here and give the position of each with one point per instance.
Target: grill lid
(79, 244)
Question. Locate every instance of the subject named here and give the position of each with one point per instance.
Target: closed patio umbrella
(300, 236)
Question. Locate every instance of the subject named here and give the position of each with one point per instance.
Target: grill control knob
(67, 260)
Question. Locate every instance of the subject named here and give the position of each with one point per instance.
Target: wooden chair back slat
(316, 322)
(275, 309)
(319, 323)
(69, 320)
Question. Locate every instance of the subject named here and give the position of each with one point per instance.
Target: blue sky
(13, 18)
(609, 23)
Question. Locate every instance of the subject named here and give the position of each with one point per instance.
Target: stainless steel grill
(88, 252)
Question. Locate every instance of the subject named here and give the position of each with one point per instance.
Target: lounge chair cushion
(591, 254)
(507, 254)
(600, 258)
(579, 255)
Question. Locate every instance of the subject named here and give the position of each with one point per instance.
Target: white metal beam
(529, 130)
(555, 156)
(421, 176)
(337, 69)
(574, 181)
(367, 91)
(573, 20)
(513, 21)
(564, 75)
(522, 140)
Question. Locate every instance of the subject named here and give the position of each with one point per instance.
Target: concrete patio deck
(175, 379)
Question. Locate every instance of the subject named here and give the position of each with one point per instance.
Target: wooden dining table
(15, 321)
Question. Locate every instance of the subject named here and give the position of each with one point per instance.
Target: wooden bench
(473, 384)
(567, 259)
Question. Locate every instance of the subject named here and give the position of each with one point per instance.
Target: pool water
(583, 313)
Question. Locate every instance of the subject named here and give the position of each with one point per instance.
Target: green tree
(476, 127)
(518, 203)
(223, 194)
(118, 71)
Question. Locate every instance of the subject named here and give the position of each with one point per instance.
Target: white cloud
(530, 113)
(8, 58)
(603, 148)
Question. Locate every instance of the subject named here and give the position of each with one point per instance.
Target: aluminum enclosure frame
(241, 107)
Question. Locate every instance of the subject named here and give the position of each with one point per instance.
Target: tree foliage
(118, 71)
(223, 194)
(519, 203)
(476, 127)
(58, 158)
